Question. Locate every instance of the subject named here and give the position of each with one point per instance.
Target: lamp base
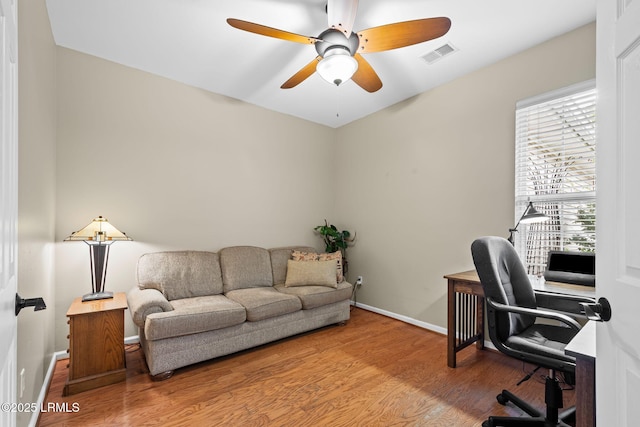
(97, 296)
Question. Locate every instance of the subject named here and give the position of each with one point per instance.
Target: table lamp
(529, 216)
(99, 235)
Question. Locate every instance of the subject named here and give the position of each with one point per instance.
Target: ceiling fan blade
(302, 75)
(365, 76)
(401, 34)
(270, 32)
(342, 14)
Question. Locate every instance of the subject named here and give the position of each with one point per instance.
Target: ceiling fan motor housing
(333, 38)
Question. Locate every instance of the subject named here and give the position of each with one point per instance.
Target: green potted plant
(335, 240)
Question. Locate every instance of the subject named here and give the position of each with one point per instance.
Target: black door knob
(599, 311)
(37, 303)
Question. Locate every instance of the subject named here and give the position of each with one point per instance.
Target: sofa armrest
(143, 302)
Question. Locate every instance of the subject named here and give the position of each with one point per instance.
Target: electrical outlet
(359, 281)
(22, 382)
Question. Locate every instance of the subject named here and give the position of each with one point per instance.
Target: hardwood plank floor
(374, 371)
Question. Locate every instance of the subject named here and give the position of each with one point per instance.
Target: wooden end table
(96, 343)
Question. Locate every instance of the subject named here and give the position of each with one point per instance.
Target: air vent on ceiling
(439, 53)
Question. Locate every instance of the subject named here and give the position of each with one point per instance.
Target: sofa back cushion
(245, 267)
(181, 274)
(279, 258)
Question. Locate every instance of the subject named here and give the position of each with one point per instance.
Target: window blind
(555, 169)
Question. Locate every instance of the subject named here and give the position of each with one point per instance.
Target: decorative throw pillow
(304, 256)
(337, 255)
(306, 273)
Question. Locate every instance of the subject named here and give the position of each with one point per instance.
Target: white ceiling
(189, 41)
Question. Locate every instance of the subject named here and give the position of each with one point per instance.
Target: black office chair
(512, 310)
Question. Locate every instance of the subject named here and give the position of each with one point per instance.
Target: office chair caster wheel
(502, 399)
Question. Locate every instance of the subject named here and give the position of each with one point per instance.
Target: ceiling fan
(339, 48)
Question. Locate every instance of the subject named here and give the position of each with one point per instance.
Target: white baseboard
(45, 387)
(405, 319)
(59, 355)
(419, 323)
(134, 339)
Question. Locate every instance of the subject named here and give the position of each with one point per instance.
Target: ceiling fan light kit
(339, 48)
(337, 66)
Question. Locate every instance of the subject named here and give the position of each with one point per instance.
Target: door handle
(598, 311)
(37, 303)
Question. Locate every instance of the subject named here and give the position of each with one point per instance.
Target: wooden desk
(583, 348)
(96, 343)
(465, 312)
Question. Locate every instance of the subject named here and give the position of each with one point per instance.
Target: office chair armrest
(567, 320)
(562, 302)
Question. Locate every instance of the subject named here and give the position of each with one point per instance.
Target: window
(555, 169)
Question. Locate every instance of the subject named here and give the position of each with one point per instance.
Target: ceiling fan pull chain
(337, 101)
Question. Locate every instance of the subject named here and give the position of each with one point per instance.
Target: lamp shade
(337, 66)
(99, 230)
(531, 215)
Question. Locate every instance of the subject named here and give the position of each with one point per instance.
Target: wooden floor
(375, 371)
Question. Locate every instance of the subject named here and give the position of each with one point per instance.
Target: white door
(8, 205)
(618, 168)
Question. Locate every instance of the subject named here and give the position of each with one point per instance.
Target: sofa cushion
(180, 274)
(194, 315)
(337, 256)
(316, 296)
(305, 273)
(245, 267)
(312, 256)
(279, 258)
(263, 303)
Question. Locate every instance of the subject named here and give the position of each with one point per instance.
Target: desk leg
(451, 325)
(480, 323)
(585, 392)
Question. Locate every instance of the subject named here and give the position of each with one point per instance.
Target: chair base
(553, 399)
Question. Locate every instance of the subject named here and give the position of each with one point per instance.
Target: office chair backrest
(504, 280)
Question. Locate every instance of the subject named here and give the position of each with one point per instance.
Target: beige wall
(36, 204)
(427, 176)
(179, 168)
(176, 168)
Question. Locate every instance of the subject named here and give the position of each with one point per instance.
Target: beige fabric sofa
(192, 306)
